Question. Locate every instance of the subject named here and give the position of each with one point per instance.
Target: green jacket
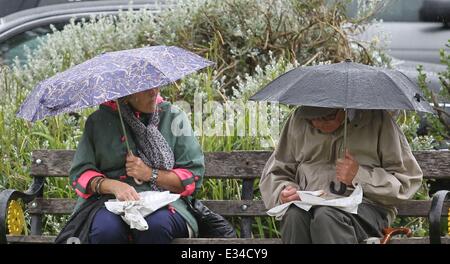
(103, 149)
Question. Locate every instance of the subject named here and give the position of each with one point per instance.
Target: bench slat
(50, 239)
(236, 164)
(418, 208)
(236, 241)
(395, 240)
(30, 239)
(417, 240)
(240, 165)
(225, 208)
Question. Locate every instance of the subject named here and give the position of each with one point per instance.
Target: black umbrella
(345, 85)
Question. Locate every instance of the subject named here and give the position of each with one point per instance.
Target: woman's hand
(137, 169)
(122, 191)
(289, 194)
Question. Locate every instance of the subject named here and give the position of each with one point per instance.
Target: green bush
(439, 123)
(238, 35)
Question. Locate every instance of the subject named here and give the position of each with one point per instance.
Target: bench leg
(246, 222)
(8, 195)
(4, 201)
(36, 225)
(435, 215)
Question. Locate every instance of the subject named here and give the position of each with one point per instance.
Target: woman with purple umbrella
(134, 142)
(103, 166)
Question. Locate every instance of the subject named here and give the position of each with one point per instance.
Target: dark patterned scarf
(153, 148)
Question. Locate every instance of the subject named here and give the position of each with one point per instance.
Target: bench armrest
(435, 215)
(8, 195)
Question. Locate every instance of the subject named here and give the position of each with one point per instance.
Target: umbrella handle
(341, 191)
(123, 126)
(343, 187)
(138, 182)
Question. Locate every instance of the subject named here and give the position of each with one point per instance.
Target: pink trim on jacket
(111, 104)
(83, 181)
(159, 99)
(184, 174)
(83, 195)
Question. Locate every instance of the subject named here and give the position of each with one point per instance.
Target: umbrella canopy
(409, 68)
(107, 77)
(345, 85)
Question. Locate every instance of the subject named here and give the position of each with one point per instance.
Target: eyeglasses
(329, 117)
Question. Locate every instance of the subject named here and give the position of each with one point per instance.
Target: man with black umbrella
(309, 156)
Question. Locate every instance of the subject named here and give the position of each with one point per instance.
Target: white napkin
(133, 212)
(308, 199)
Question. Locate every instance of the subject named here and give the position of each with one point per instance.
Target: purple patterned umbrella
(107, 77)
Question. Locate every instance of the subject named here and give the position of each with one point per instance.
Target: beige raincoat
(305, 158)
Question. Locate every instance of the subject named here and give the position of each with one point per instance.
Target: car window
(406, 10)
(11, 6)
(15, 47)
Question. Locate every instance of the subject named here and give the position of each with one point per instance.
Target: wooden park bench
(242, 165)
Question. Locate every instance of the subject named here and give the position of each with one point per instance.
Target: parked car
(24, 27)
(9, 7)
(413, 32)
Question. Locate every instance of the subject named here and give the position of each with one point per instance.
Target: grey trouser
(328, 225)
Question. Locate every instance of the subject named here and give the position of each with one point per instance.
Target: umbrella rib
(279, 94)
(416, 86)
(292, 85)
(79, 92)
(346, 85)
(156, 68)
(346, 104)
(398, 88)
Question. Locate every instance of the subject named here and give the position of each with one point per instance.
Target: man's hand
(346, 169)
(289, 194)
(137, 169)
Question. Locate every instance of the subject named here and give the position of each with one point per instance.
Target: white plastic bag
(134, 212)
(309, 199)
